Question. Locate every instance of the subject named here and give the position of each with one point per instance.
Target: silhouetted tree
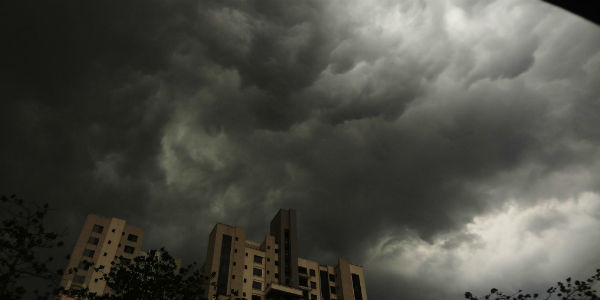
(22, 236)
(570, 289)
(154, 276)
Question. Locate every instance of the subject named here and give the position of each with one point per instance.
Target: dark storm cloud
(77, 90)
(388, 126)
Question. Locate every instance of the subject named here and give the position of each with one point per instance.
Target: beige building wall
(242, 269)
(347, 274)
(254, 284)
(252, 270)
(358, 270)
(228, 278)
(271, 250)
(100, 241)
(312, 284)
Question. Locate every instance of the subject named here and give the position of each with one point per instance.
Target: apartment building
(101, 240)
(272, 270)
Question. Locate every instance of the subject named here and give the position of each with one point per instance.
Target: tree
(22, 237)
(570, 289)
(154, 276)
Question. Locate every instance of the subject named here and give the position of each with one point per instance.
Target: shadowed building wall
(283, 228)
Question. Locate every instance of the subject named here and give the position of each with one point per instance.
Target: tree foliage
(569, 289)
(154, 276)
(22, 237)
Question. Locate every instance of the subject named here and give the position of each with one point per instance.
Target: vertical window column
(356, 287)
(287, 259)
(223, 277)
(324, 285)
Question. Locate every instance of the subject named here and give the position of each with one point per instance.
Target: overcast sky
(444, 145)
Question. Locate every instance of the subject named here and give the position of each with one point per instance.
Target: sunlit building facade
(272, 270)
(100, 242)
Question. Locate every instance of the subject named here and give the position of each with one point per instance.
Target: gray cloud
(383, 123)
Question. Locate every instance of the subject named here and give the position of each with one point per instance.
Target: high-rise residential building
(272, 270)
(101, 241)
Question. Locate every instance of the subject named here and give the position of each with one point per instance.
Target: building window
(84, 265)
(232, 276)
(313, 297)
(245, 267)
(356, 287)
(125, 261)
(302, 270)
(79, 279)
(313, 285)
(224, 265)
(312, 272)
(268, 259)
(268, 247)
(332, 288)
(246, 253)
(113, 230)
(277, 263)
(331, 277)
(234, 250)
(98, 228)
(256, 285)
(234, 263)
(244, 294)
(93, 240)
(276, 250)
(109, 242)
(88, 252)
(277, 275)
(256, 297)
(104, 254)
(132, 237)
(236, 238)
(257, 272)
(128, 249)
(258, 259)
(303, 281)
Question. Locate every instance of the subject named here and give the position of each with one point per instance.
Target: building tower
(272, 270)
(101, 240)
(283, 228)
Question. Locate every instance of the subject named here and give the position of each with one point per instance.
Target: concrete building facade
(272, 270)
(101, 241)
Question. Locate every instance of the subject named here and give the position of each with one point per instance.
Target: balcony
(281, 292)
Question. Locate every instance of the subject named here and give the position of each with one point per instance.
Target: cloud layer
(406, 134)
